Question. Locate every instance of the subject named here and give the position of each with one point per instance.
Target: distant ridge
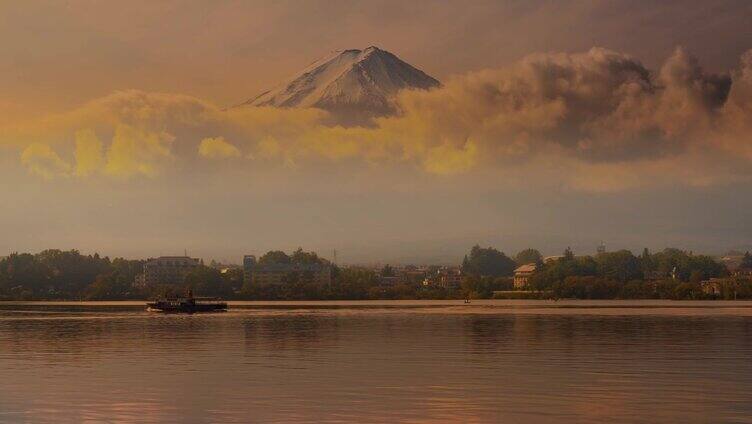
(355, 85)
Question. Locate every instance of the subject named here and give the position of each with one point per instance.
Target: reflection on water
(491, 362)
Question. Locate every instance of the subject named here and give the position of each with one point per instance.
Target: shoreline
(561, 303)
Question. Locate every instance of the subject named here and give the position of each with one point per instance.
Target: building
(450, 278)
(725, 288)
(140, 281)
(712, 287)
(411, 274)
(167, 270)
(389, 280)
(522, 275)
(445, 277)
(276, 274)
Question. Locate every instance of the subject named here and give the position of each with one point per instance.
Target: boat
(187, 305)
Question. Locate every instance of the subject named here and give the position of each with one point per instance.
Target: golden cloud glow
(89, 153)
(447, 160)
(594, 121)
(135, 151)
(217, 148)
(41, 160)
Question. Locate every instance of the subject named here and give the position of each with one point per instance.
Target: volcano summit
(354, 85)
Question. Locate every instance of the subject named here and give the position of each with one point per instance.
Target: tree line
(58, 274)
(70, 275)
(668, 274)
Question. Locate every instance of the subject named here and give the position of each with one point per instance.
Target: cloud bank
(595, 121)
(217, 148)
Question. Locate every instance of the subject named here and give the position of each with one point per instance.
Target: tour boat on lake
(188, 304)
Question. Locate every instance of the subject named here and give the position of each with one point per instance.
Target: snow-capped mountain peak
(355, 85)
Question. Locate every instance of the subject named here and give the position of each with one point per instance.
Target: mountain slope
(354, 85)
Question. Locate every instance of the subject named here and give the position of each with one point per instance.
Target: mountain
(355, 85)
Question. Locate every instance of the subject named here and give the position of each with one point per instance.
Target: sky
(558, 124)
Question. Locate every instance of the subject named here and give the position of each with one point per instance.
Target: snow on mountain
(355, 85)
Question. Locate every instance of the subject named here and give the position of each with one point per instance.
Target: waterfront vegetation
(487, 273)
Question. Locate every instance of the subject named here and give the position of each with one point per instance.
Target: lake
(398, 361)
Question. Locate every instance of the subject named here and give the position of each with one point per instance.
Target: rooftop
(526, 268)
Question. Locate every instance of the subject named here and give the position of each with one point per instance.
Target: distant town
(483, 273)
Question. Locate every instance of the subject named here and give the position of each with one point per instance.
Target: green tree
(207, 281)
(487, 262)
(620, 266)
(635, 289)
(274, 257)
(25, 274)
(477, 287)
(387, 271)
(746, 263)
(684, 264)
(556, 271)
(647, 264)
(696, 276)
(353, 283)
(687, 291)
(71, 272)
(528, 256)
(305, 258)
(586, 287)
(233, 278)
(108, 286)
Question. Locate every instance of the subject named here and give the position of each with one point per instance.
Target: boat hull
(186, 307)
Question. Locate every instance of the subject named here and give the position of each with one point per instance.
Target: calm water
(505, 361)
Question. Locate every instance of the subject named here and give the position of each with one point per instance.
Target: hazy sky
(560, 123)
(58, 54)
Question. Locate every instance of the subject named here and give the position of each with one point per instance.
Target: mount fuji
(354, 85)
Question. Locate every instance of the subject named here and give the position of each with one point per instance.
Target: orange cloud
(217, 148)
(596, 121)
(41, 160)
(89, 153)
